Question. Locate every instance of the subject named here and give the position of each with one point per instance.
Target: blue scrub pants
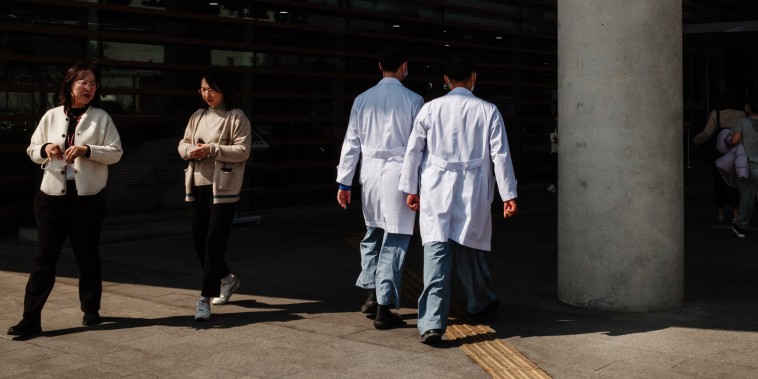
(434, 302)
(382, 257)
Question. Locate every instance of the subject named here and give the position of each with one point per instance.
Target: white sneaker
(203, 311)
(226, 291)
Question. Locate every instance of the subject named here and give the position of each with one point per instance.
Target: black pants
(211, 225)
(80, 218)
(723, 194)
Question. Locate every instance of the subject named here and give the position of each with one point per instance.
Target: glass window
(298, 66)
(133, 52)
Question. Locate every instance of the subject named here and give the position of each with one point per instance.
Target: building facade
(298, 65)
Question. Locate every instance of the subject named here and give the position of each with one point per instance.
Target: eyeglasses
(206, 91)
(82, 83)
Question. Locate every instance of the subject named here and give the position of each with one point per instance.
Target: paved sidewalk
(295, 315)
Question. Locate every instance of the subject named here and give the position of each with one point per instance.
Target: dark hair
(731, 99)
(74, 73)
(392, 56)
(218, 79)
(458, 67)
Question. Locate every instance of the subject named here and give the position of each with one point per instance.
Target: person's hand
(53, 151)
(201, 151)
(343, 198)
(509, 208)
(413, 202)
(74, 152)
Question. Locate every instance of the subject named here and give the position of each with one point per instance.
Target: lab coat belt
(385, 154)
(456, 166)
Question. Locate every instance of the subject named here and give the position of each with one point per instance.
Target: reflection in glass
(122, 51)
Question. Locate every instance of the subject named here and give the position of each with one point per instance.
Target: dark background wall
(298, 65)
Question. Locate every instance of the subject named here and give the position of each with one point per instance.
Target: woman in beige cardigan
(217, 144)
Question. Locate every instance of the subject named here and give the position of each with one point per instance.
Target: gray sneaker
(226, 291)
(203, 311)
(739, 232)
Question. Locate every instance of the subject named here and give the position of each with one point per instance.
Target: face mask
(472, 89)
(405, 75)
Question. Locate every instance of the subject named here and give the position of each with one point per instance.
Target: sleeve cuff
(42, 152)
(344, 187)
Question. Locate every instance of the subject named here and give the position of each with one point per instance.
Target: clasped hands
(200, 151)
(54, 151)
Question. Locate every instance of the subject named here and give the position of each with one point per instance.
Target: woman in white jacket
(74, 142)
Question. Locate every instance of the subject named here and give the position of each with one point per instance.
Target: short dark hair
(74, 73)
(458, 67)
(219, 81)
(392, 56)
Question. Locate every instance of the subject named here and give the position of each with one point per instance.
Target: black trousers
(723, 194)
(211, 225)
(80, 218)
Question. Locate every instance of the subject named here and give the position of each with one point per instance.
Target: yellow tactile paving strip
(496, 356)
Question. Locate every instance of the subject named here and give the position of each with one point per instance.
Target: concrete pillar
(620, 199)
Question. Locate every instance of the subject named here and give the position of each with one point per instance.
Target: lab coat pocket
(225, 177)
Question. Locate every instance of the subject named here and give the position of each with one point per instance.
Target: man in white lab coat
(380, 123)
(458, 140)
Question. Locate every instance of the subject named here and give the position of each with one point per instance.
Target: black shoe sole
(92, 322)
(90, 319)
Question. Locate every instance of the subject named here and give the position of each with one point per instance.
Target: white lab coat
(381, 121)
(456, 139)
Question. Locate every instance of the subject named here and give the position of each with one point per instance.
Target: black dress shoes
(369, 306)
(91, 319)
(488, 313)
(25, 328)
(386, 319)
(431, 336)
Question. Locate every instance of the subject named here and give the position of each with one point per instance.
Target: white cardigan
(96, 130)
